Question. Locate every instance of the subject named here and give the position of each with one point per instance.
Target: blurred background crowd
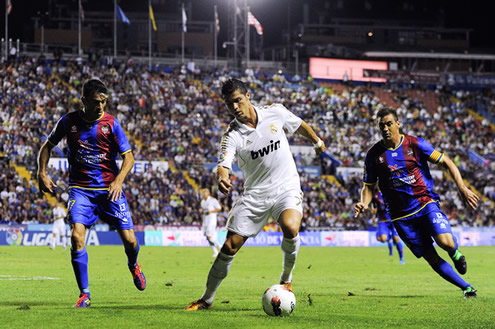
(177, 116)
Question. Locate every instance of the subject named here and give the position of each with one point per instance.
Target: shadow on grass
(389, 296)
(29, 303)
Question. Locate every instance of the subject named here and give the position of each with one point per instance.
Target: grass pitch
(334, 287)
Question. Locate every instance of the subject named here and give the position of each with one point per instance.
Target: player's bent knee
(381, 239)
(229, 250)
(291, 233)
(77, 242)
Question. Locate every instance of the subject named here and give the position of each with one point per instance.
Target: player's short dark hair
(386, 111)
(94, 85)
(231, 85)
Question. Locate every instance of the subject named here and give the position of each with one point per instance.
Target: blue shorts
(386, 228)
(85, 206)
(417, 232)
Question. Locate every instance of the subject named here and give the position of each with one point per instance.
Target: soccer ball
(278, 300)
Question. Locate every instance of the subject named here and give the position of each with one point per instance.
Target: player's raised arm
(366, 196)
(44, 181)
(469, 196)
(308, 132)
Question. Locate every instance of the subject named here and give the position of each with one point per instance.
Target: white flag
(217, 21)
(184, 20)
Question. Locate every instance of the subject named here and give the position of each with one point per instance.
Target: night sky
(274, 15)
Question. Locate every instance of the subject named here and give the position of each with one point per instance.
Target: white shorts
(252, 211)
(209, 227)
(59, 227)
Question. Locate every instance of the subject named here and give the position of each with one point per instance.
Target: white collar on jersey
(244, 128)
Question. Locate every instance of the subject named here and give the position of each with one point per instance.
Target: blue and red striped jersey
(403, 175)
(381, 209)
(92, 148)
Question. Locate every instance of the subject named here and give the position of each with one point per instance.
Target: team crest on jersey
(73, 129)
(105, 129)
(249, 142)
(273, 129)
(409, 152)
(395, 170)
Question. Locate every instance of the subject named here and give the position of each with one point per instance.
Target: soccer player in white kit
(256, 138)
(58, 227)
(210, 208)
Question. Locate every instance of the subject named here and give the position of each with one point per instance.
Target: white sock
(215, 250)
(290, 248)
(54, 241)
(218, 272)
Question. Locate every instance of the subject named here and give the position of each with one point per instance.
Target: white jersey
(209, 220)
(59, 215)
(263, 152)
(208, 205)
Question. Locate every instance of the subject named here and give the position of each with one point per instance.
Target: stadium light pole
(115, 28)
(6, 30)
(215, 35)
(149, 35)
(183, 25)
(246, 34)
(79, 52)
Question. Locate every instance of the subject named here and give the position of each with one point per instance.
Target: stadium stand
(177, 116)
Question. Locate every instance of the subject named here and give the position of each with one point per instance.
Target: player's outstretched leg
(446, 271)
(134, 267)
(290, 248)
(400, 250)
(218, 272)
(390, 245)
(80, 265)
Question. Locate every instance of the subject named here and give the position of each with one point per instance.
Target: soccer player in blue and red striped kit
(94, 139)
(399, 164)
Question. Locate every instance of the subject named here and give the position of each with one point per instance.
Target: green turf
(334, 287)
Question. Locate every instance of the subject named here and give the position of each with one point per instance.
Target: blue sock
(400, 249)
(452, 253)
(132, 255)
(80, 265)
(390, 247)
(447, 272)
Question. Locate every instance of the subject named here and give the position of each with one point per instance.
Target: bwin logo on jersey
(265, 150)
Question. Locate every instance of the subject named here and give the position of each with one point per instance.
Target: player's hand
(46, 184)
(224, 185)
(114, 191)
(321, 149)
(359, 208)
(470, 198)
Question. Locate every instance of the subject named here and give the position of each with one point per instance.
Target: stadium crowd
(177, 116)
